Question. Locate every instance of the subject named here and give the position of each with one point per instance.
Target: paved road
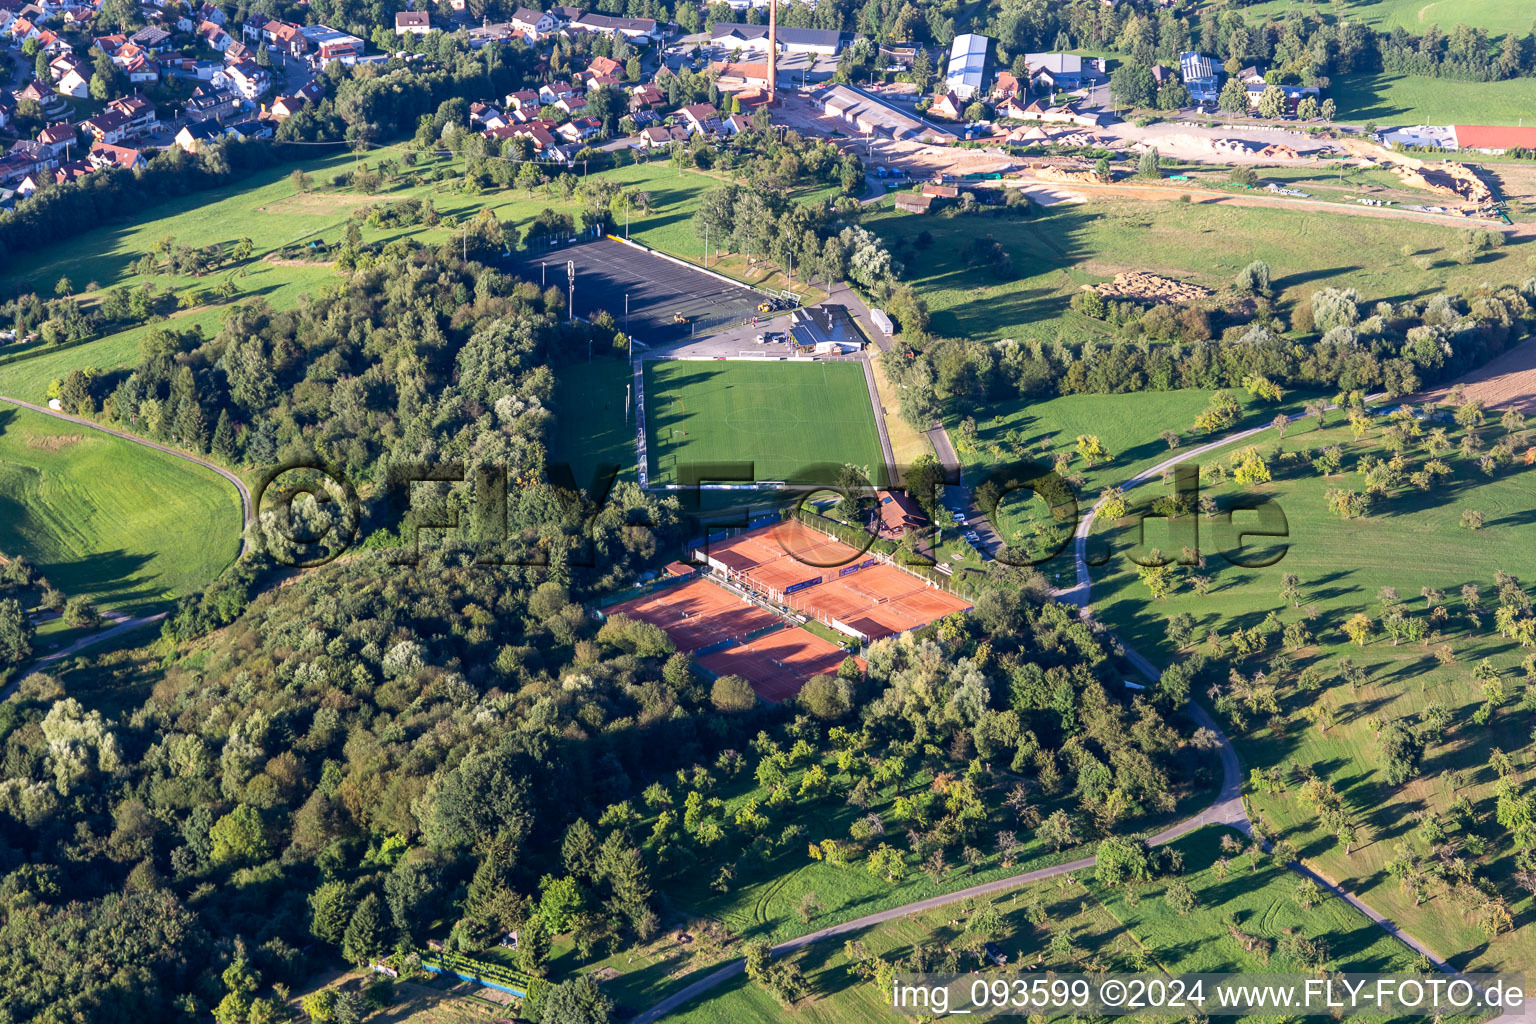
(120, 624)
(245, 493)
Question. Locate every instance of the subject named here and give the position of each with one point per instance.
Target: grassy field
(1413, 540)
(281, 285)
(1127, 424)
(1104, 930)
(782, 416)
(590, 425)
(1411, 99)
(1497, 16)
(101, 517)
(1061, 248)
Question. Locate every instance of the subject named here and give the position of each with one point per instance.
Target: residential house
(1005, 86)
(572, 105)
(1161, 75)
(639, 29)
(286, 37)
(75, 83)
(66, 62)
(646, 97)
(967, 66)
(238, 51)
(104, 154)
(197, 136)
(35, 179)
(736, 124)
(44, 96)
(213, 13)
(791, 40)
(108, 126)
(947, 105)
(936, 190)
(605, 66)
(579, 129)
(257, 129)
(254, 28)
(140, 113)
(52, 43)
(250, 79)
(36, 153)
(109, 45)
(899, 512)
(142, 69)
(1202, 76)
(523, 99)
(661, 135)
(22, 29)
(700, 117)
(73, 171)
(210, 105)
(214, 36)
(1291, 94)
(284, 107)
(413, 23)
(564, 15)
(911, 202)
(533, 24)
(551, 93)
(7, 111)
(151, 37)
(7, 17)
(57, 139)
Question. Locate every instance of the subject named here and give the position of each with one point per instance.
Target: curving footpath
(1227, 809)
(122, 623)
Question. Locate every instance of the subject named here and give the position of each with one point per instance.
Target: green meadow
(1497, 16)
(1412, 99)
(126, 526)
(1061, 248)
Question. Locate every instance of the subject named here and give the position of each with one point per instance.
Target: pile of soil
(1141, 286)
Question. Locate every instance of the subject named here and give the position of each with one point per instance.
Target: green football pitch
(784, 417)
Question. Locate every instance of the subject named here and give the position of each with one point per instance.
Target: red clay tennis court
(779, 664)
(698, 613)
(839, 582)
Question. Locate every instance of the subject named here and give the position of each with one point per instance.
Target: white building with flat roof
(967, 65)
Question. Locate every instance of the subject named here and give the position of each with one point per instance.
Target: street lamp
(570, 273)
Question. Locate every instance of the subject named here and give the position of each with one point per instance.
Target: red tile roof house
(947, 106)
(58, 138)
(106, 155)
(605, 66)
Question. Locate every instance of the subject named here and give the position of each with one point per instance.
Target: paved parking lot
(658, 290)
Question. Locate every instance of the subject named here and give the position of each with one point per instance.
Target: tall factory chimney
(773, 49)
